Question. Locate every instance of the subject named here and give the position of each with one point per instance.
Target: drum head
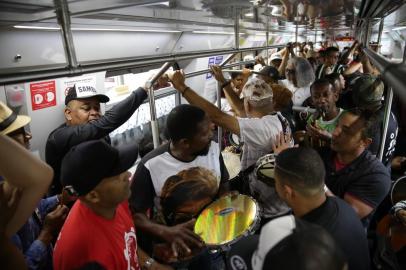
(265, 169)
(232, 163)
(226, 220)
(234, 140)
(398, 192)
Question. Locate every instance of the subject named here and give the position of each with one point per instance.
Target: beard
(202, 152)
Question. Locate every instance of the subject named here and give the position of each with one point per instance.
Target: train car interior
(194, 52)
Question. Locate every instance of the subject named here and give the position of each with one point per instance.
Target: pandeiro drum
(265, 169)
(226, 220)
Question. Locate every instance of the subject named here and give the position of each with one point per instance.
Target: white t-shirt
(164, 165)
(300, 94)
(258, 135)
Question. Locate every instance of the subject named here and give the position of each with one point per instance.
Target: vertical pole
(315, 37)
(151, 99)
(62, 14)
(297, 25)
(267, 39)
(380, 34)
(236, 29)
(367, 33)
(296, 32)
(388, 107)
(404, 54)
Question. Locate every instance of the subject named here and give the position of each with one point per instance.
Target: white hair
(303, 71)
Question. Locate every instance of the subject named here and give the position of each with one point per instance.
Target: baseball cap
(269, 71)
(9, 121)
(367, 90)
(83, 90)
(285, 243)
(276, 56)
(257, 89)
(87, 164)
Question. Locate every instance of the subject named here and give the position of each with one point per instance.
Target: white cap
(271, 234)
(276, 56)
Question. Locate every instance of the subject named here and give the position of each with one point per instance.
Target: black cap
(286, 243)
(270, 71)
(88, 163)
(80, 91)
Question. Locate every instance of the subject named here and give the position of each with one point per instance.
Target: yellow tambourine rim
(226, 219)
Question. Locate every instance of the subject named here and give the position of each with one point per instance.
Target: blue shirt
(36, 253)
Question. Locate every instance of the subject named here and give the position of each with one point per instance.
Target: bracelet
(148, 263)
(184, 90)
(225, 84)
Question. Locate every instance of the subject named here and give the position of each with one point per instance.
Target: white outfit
(300, 94)
(258, 136)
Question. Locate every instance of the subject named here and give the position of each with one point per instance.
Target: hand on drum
(182, 239)
(282, 142)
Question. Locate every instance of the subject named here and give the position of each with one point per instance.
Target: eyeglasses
(21, 131)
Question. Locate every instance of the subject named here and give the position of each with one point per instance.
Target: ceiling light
(98, 29)
(399, 28)
(215, 32)
(36, 27)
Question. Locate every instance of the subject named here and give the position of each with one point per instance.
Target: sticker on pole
(43, 95)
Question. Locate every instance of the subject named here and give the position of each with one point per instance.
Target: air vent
(226, 8)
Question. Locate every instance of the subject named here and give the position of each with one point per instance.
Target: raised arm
(236, 103)
(285, 58)
(24, 171)
(216, 115)
(349, 52)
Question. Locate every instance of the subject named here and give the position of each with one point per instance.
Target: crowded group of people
(321, 114)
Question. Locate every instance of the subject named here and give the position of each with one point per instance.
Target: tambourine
(234, 140)
(232, 163)
(398, 192)
(227, 220)
(265, 169)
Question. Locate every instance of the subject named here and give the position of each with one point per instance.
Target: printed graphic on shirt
(130, 251)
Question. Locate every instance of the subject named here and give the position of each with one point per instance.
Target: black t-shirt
(341, 221)
(365, 178)
(63, 138)
(321, 72)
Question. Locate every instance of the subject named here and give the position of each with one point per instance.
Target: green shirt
(328, 126)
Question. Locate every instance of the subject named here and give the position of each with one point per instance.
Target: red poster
(43, 95)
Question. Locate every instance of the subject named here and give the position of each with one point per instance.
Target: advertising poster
(43, 95)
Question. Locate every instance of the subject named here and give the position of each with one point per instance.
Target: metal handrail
(151, 98)
(14, 76)
(394, 75)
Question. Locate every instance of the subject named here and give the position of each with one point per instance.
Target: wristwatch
(148, 263)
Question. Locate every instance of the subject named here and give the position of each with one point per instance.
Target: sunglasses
(21, 131)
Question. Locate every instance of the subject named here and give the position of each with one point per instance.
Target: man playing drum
(190, 132)
(258, 132)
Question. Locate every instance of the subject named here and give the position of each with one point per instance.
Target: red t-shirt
(86, 237)
(339, 165)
